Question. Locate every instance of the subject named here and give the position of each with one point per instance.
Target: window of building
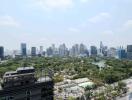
(28, 98)
(27, 82)
(11, 98)
(2, 98)
(7, 98)
(22, 83)
(28, 94)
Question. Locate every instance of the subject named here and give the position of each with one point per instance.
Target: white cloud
(8, 21)
(53, 4)
(100, 17)
(75, 30)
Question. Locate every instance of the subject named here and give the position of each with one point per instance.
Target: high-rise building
(49, 51)
(63, 50)
(105, 51)
(55, 50)
(1, 52)
(74, 51)
(122, 53)
(129, 51)
(83, 52)
(112, 52)
(78, 51)
(33, 51)
(93, 51)
(41, 50)
(101, 47)
(82, 49)
(23, 49)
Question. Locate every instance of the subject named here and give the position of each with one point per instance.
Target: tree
(58, 78)
(60, 90)
(121, 85)
(114, 94)
(71, 98)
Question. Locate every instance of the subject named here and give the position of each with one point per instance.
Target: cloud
(100, 17)
(8, 21)
(75, 30)
(54, 4)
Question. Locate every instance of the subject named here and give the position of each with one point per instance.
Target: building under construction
(23, 84)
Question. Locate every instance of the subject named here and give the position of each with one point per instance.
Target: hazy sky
(43, 22)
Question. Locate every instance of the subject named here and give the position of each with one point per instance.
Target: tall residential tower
(1, 52)
(23, 49)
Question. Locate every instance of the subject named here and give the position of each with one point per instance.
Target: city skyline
(47, 22)
(88, 46)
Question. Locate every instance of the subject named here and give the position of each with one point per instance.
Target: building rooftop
(44, 79)
(24, 68)
(81, 80)
(84, 85)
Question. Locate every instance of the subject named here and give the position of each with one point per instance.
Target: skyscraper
(82, 49)
(112, 52)
(74, 51)
(41, 50)
(93, 51)
(62, 50)
(76, 47)
(83, 52)
(101, 47)
(78, 51)
(121, 53)
(1, 52)
(129, 51)
(23, 49)
(33, 51)
(49, 52)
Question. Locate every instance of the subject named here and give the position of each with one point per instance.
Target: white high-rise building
(79, 50)
(41, 50)
(63, 50)
(112, 52)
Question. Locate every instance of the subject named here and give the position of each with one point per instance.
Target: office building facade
(1, 52)
(33, 51)
(23, 49)
(129, 51)
(93, 51)
(122, 53)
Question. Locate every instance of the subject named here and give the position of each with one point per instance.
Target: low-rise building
(72, 88)
(22, 84)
